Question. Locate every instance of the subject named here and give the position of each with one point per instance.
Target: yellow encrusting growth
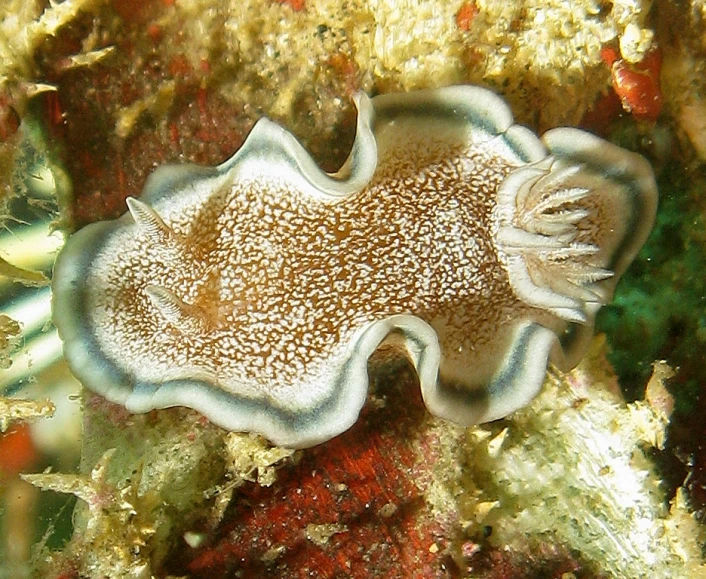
(10, 333)
(25, 27)
(119, 522)
(173, 475)
(573, 468)
(19, 410)
(268, 54)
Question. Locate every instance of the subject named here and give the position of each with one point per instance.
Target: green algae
(659, 311)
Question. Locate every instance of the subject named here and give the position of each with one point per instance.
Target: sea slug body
(256, 291)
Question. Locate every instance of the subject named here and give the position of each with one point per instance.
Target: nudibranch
(256, 291)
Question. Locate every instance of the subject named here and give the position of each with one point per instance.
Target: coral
(248, 458)
(498, 47)
(135, 499)
(15, 409)
(196, 97)
(566, 485)
(251, 458)
(25, 26)
(355, 506)
(574, 468)
(26, 276)
(157, 506)
(24, 30)
(680, 29)
(637, 83)
(9, 340)
(118, 523)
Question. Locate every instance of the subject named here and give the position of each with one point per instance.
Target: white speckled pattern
(256, 291)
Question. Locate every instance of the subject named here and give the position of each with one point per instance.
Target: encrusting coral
(24, 28)
(132, 501)
(574, 468)
(15, 410)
